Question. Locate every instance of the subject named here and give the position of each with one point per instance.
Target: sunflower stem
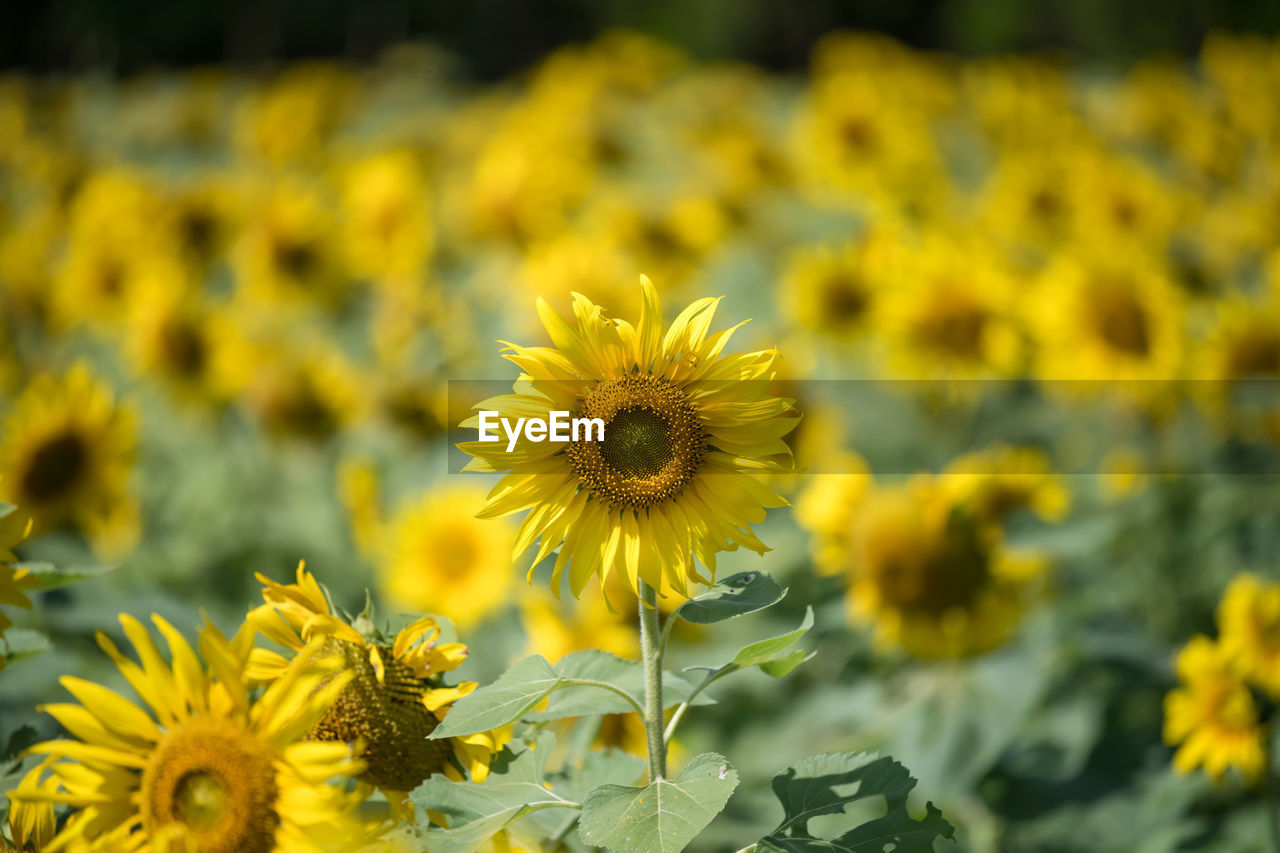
(651, 654)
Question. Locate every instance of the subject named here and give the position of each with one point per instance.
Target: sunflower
(687, 428)
(1112, 319)
(290, 252)
(442, 558)
(396, 697)
(997, 481)
(388, 228)
(66, 455)
(554, 632)
(834, 290)
(1249, 630)
(922, 567)
(1212, 717)
(208, 767)
(13, 529)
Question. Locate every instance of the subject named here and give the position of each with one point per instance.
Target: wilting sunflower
(65, 457)
(1249, 630)
(395, 699)
(1212, 717)
(208, 766)
(14, 527)
(686, 429)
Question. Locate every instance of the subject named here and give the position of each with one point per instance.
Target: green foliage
(828, 784)
(736, 595)
(663, 816)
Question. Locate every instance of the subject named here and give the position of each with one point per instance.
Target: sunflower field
(968, 540)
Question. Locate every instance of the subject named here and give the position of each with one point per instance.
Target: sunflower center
(217, 780)
(1121, 320)
(55, 467)
(454, 552)
(184, 347)
(930, 573)
(388, 716)
(654, 442)
(844, 298)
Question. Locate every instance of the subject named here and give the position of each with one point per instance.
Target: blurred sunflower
(554, 631)
(1117, 319)
(1249, 630)
(997, 481)
(13, 529)
(687, 429)
(388, 228)
(304, 390)
(67, 452)
(949, 312)
(206, 765)
(1212, 717)
(396, 696)
(437, 557)
(834, 291)
(927, 572)
(290, 252)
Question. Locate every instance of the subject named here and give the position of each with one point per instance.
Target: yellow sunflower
(1000, 480)
(554, 631)
(388, 230)
(923, 569)
(1212, 717)
(66, 455)
(1112, 319)
(834, 291)
(13, 529)
(686, 430)
(396, 697)
(1249, 630)
(208, 766)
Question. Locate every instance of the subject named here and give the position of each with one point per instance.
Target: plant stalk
(651, 655)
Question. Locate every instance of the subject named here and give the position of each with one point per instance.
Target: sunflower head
(1249, 630)
(672, 478)
(209, 764)
(14, 527)
(396, 696)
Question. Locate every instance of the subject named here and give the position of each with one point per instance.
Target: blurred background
(247, 248)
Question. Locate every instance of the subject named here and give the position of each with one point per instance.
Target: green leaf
(516, 692)
(782, 666)
(766, 651)
(477, 812)
(745, 592)
(23, 643)
(663, 816)
(580, 776)
(826, 784)
(628, 675)
(46, 576)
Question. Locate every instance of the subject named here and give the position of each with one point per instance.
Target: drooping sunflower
(65, 457)
(1249, 630)
(395, 699)
(205, 765)
(1212, 717)
(14, 527)
(686, 430)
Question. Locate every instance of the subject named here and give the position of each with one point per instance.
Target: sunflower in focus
(66, 455)
(205, 765)
(922, 566)
(1212, 716)
(396, 696)
(686, 431)
(13, 529)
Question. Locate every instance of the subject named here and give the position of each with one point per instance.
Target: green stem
(684, 706)
(651, 654)
(604, 685)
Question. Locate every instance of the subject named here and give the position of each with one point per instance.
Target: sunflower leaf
(768, 651)
(827, 784)
(661, 817)
(478, 811)
(23, 643)
(626, 675)
(46, 576)
(516, 692)
(745, 592)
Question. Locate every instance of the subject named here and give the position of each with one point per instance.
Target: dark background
(493, 38)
